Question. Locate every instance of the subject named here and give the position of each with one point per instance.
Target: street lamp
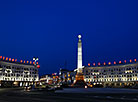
(35, 60)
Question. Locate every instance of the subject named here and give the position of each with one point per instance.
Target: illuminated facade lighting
(38, 66)
(130, 60)
(27, 61)
(99, 64)
(15, 60)
(120, 62)
(135, 60)
(30, 62)
(109, 63)
(24, 62)
(114, 62)
(104, 63)
(93, 64)
(21, 61)
(12, 60)
(9, 59)
(89, 64)
(6, 58)
(0, 57)
(125, 61)
(3, 58)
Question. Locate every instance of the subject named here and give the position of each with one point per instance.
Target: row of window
(18, 75)
(111, 80)
(17, 68)
(17, 79)
(109, 73)
(130, 75)
(9, 71)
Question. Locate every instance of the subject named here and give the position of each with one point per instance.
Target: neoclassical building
(112, 75)
(13, 73)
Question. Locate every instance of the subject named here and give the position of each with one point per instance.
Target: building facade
(66, 76)
(14, 73)
(122, 75)
(49, 79)
(46, 79)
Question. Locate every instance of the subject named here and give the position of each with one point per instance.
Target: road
(16, 95)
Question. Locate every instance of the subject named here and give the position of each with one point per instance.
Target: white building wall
(118, 73)
(17, 72)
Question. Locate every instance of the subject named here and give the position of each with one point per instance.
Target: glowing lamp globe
(38, 66)
(99, 64)
(79, 36)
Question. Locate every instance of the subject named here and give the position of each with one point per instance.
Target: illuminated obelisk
(79, 76)
(79, 63)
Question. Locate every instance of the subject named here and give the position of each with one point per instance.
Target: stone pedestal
(79, 83)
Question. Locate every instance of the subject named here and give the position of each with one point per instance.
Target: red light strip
(109, 63)
(15, 60)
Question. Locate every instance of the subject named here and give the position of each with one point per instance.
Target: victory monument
(79, 82)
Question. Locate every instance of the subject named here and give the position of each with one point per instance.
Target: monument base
(79, 83)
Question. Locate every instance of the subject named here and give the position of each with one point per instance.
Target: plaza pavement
(18, 95)
(97, 90)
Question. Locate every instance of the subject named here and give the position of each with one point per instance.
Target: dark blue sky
(49, 28)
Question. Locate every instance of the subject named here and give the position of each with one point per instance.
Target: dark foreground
(17, 95)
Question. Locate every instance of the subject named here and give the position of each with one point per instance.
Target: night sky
(49, 29)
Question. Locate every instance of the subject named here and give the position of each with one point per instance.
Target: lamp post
(35, 59)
